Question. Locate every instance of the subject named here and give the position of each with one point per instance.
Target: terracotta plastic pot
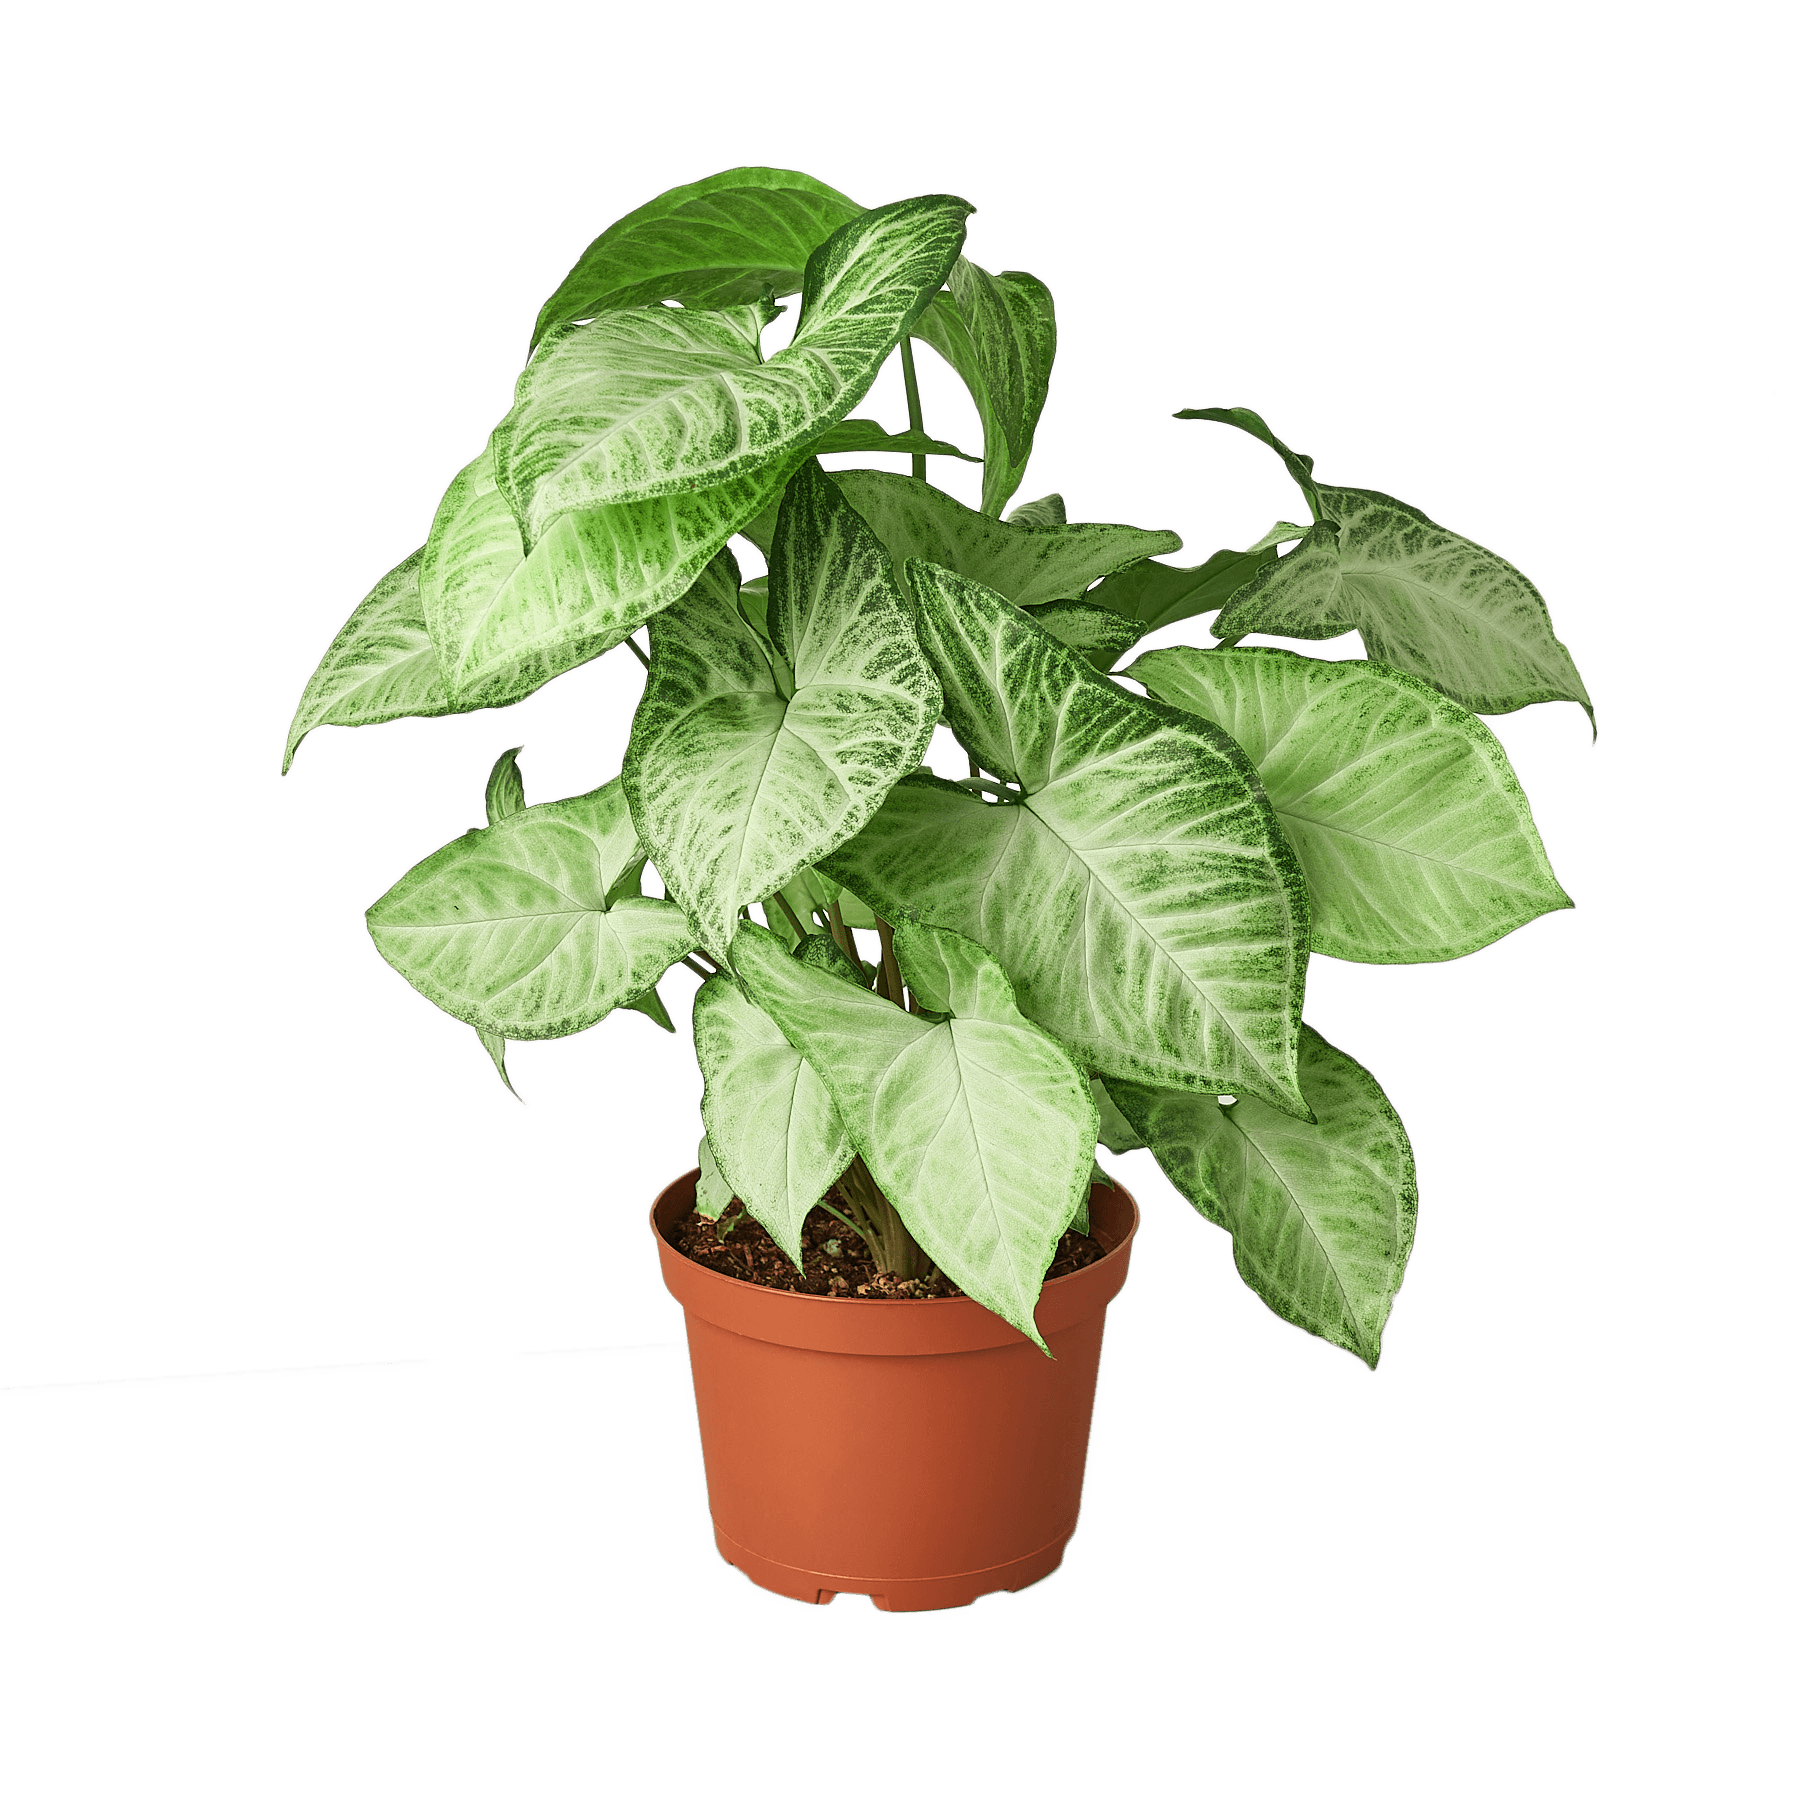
(922, 1452)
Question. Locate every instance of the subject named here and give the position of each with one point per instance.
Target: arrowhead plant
(925, 996)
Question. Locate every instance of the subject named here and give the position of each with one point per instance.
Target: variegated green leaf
(589, 582)
(1155, 594)
(1425, 601)
(505, 787)
(381, 666)
(742, 772)
(1100, 635)
(662, 400)
(724, 241)
(532, 928)
(978, 1129)
(1414, 835)
(772, 1125)
(1029, 564)
(999, 334)
(1321, 1215)
(1139, 893)
(858, 436)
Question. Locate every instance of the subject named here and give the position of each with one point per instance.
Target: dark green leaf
(856, 436)
(723, 241)
(1040, 513)
(1155, 594)
(1300, 467)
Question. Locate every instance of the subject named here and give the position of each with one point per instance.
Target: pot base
(932, 1595)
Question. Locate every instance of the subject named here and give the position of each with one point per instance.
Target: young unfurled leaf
(738, 785)
(1321, 1215)
(998, 332)
(863, 435)
(1140, 895)
(1049, 511)
(505, 787)
(1155, 594)
(381, 666)
(662, 400)
(979, 1129)
(1415, 838)
(768, 1116)
(724, 241)
(1028, 564)
(520, 929)
(1425, 601)
(505, 623)
(1298, 466)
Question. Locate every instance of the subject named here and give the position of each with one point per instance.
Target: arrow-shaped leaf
(771, 1123)
(742, 773)
(505, 623)
(1414, 835)
(381, 666)
(663, 400)
(1424, 600)
(1140, 893)
(979, 1129)
(521, 928)
(1029, 564)
(724, 241)
(1321, 1215)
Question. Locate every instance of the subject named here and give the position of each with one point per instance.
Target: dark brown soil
(736, 1245)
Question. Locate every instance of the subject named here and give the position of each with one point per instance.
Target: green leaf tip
(505, 787)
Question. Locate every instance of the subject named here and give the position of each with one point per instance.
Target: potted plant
(923, 999)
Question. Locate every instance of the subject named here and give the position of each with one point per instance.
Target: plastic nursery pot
(922, 1452)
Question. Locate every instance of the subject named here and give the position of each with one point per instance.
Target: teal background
(344, 1446)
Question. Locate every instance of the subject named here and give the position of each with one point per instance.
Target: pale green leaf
(1425, 601)
(519, 928)
(821, 951)
(1155, 594)
(737, 786)
(723, 241)
(999, 334)
(1298, 466)
(1029, 564)
(769, 1118)
(1413, 833)
(495, 1045)
(1140, 895)
(589, 582)
(858, 436)
(381, 666)
(663, 400)
(979, 1130)
(1321, 1215)
(505, 787)
(712, 1191)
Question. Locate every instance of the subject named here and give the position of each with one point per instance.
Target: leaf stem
(687, 962)
(800, 930)
(890, 967)
(1226, 643)
(635, 651)
(915, 418)
(841, 932)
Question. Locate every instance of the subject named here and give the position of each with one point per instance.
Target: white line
(225, 1374)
